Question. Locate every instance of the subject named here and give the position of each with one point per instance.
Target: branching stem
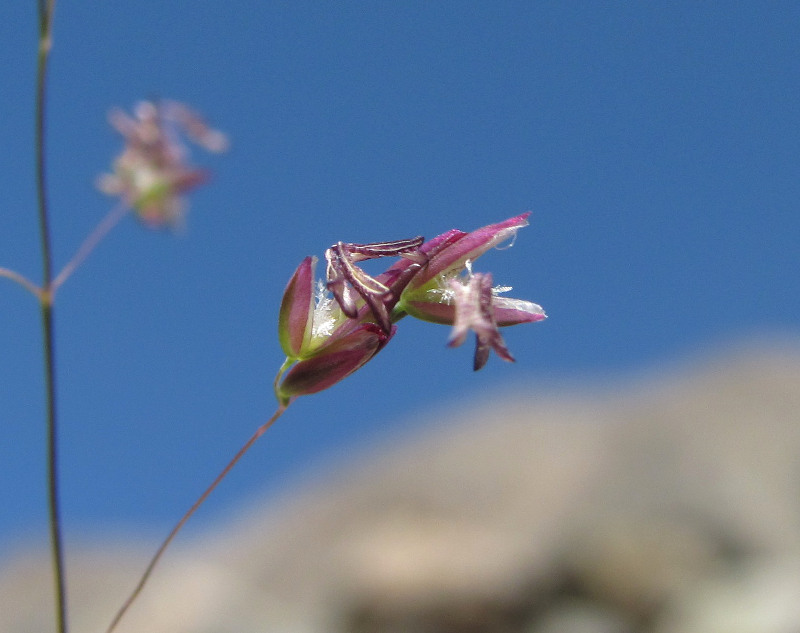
(89, 244)
(46, 8)
(22, 281)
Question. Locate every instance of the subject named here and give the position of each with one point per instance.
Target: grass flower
(446, 291)
(326, 338)
(324, 343)
(152, 173)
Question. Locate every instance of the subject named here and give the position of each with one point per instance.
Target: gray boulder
(663, 504)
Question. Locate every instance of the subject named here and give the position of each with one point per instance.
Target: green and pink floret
(330, 329)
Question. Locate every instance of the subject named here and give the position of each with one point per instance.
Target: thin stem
(160, 551)
(286, 364)
(46, 8)
(45, 43)
(53, 505)
(85, 249)
(89, 244)
(22, 281)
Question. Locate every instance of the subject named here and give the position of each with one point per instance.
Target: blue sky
(656, 145)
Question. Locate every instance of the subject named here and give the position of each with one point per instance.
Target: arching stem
(162, 548)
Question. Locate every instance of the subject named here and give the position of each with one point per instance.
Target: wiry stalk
(162, 548)
(22, 281)
(88, 245)
(45, 300)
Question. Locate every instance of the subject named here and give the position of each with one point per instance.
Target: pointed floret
(296, 318)
(333, 362)
(451, 251)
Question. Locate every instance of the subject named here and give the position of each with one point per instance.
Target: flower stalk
(157, 199)
(188, 514)
(46, 9)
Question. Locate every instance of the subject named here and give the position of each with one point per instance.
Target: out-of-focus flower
(326, 338)
(473, 301)
(152, 173)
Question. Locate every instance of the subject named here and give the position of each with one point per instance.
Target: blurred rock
(665, 505)
(762, 596)
(580, 617)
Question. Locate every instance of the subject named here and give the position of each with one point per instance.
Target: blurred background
(655, 145)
